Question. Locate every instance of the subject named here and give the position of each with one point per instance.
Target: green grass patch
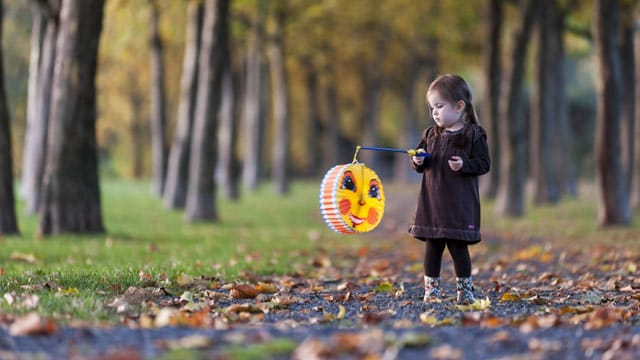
(74, 276)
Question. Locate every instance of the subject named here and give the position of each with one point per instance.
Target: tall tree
(627, 63)
(545, 186)
(201, 193)
(279, 159)
(252, 121)
(43, 55)
(613, 206)
(8, 222)
(513, 132)
(565, 164)
(635, 185)
(493, 79)
(71, 190)
(158, 108)
(228, 163)
(175, 192)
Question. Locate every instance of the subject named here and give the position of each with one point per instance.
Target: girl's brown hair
(453, 88)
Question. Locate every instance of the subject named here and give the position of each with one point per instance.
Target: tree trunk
(279, 159)
(8, 222)
(38, 126)
(158, 112)
(545, 187)
(372, 84)
(409, 135)
(565, 164)
(627, 63)
(316, 132)
(331, 134)
(175, 191)
(201, 198)
(137, 131)
(38, 31)
(227, 171)
(252, 133)
(491, 111)
(71, 190)
(635, 186)
(613, 207)
(513, 132)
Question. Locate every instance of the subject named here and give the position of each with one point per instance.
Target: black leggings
(459, 251)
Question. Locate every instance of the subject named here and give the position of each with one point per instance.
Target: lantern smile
(355, 220)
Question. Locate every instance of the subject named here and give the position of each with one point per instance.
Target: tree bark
(513, 132)
(175, 192)
(253, 127)
(71, 194)
(372, 84)
(613, 206)
(279, 159)
(635, 185)
(545, 187)
(316, 132)
(565, 164)
(627, 57)
(158, 107)
(38, 122)
(201, 193)
(491, 110)
(8, 221)
(228, 167)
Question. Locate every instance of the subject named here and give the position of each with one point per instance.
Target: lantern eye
(348, 182)
(374, 189)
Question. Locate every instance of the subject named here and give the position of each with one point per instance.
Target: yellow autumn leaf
(510, 297)
(479, 304)
(341, 312)
(68, 291)
(266, 288)
(384, 287)
(184, 279)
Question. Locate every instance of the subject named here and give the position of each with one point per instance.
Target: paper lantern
(351, 198)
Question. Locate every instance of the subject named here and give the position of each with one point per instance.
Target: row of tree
(224, 100)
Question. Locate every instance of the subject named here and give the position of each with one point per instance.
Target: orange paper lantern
(351, 198)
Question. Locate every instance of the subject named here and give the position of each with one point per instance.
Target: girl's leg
(462, 262)
(461, 259)
(434, 248)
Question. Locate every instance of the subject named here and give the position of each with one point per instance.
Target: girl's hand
(455, 163)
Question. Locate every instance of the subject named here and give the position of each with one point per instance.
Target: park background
(159, 155)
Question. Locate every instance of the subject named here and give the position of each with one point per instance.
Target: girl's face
(446, 114)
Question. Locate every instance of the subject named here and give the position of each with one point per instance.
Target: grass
(571, 221)
(260, 234)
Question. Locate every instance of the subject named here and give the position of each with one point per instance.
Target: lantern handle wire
(410, 152)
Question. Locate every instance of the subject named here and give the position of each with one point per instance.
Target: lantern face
(352, 198)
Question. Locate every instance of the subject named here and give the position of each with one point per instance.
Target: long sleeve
(478, 162)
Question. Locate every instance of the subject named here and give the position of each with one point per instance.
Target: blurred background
(253, 91)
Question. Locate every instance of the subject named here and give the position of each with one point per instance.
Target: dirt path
(539, 300)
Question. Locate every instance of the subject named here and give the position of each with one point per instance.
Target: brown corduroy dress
(449, 201)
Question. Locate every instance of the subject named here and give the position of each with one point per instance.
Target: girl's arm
(421, 145)
(478, 162)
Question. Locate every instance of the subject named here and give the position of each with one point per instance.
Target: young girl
(448, 211)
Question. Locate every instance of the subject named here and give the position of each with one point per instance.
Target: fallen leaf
(479, 304)
(243, 292)
(384, 287)
(32, 324)
(21, 257)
